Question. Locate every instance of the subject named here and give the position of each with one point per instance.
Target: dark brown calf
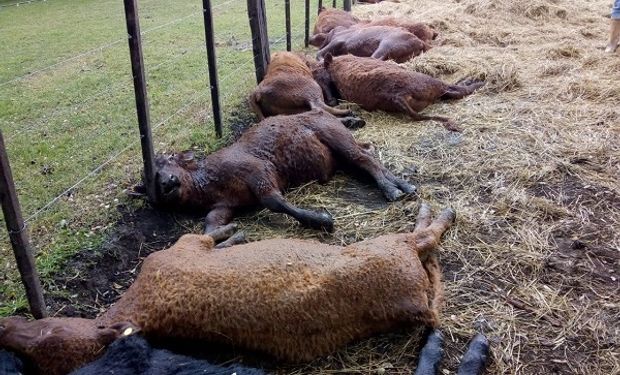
(289, 298)
(289, 88)
(279, 152)
(379, 42)
(381, 85)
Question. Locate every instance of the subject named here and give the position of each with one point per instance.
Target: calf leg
(431, 355)
(235, 239)
(342, 143)
(333, 111)
(475, 359)
(461, 91)
(427, 233)
(217, 217)
(275, 202)
(406, 108)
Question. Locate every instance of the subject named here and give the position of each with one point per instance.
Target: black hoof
(431, 354)
(353, 122)
(393, 195)
(475, 359)
(320, 221)
(407, 187)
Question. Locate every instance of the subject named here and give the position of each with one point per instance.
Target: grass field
(534, 257)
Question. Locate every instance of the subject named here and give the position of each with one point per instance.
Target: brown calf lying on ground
(422, 30)
(279, 152)
(379, 42)
(329, 19)
(289, 88)
(381, 85)
(292, 299)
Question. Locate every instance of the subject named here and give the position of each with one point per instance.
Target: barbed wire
(109, 45)
(21, 3)
(161, 123)
(125, 83)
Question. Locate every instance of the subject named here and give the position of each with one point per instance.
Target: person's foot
(614, 37)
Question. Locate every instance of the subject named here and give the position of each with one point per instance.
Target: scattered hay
(533, 260)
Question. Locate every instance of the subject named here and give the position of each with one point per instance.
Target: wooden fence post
(212, 62)
(347, 5)
(287, 11)
(334, 3)
(19, 237)
(320, 4)
(142, 102)
(307, 33)
(260, 39)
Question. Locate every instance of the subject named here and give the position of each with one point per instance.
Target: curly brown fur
(379, 42)
(381, 85)
(292, 299)
(289, 88)
(278, 153)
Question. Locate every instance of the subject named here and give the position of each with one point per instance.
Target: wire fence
(69, 121)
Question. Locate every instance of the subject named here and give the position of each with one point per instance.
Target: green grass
(62, 122)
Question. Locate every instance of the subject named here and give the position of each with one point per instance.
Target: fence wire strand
(298, 30)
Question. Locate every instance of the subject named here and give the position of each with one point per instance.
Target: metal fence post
(287, 11)
(212, 62)
(307, 25)
(19, 237)
(142, 102)
(260, 39)
(347, 5)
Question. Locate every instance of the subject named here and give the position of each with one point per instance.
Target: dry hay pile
(534, 258)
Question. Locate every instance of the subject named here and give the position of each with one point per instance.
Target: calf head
(58, 345)
(173, 177)
(425, 32)
(323, 78)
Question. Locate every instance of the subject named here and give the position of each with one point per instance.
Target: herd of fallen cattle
(294, 300)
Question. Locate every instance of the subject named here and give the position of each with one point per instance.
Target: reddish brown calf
(381, 85)
(379, 42)
(289, 88)
(292, 299)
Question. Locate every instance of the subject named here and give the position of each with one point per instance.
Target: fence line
(111, 88)
(114, 157)
(21, 3)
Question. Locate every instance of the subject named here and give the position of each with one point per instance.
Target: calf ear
(107, 335)
(187, 155)
(328, 60)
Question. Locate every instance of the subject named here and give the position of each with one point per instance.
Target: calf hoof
(332, 103)
(321, 221)
(407, 187)
(393, 195)
(353, 122)
(475, 359)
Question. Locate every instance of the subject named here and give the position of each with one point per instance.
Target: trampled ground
(534, 258)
